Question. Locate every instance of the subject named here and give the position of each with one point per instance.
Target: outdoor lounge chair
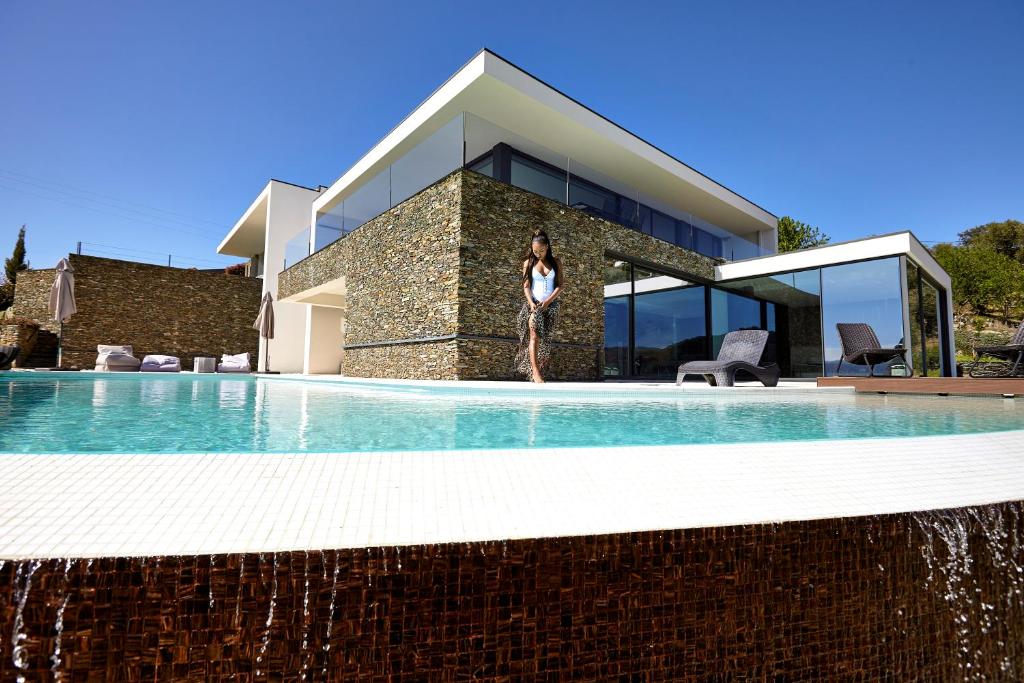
(741, 350)
(157, 363)
(1010, 358)
(8, 354)
(116, 359)
(237, 363)
(861, 347)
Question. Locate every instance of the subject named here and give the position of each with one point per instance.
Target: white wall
(287, 215)
(324, 339)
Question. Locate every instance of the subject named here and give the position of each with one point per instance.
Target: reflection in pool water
(182, 414)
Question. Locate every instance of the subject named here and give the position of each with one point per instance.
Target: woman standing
(542, 283)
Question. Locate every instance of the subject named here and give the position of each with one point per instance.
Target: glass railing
(296, 249)
(470, 140)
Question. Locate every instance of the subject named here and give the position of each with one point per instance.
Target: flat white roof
(894, 244)
(501, 93)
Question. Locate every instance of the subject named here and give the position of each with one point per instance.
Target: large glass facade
(669, 323)
(799, 309)
(866, 292)
(618, 289)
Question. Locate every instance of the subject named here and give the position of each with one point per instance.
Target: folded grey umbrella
(265, 324)
(265, 320)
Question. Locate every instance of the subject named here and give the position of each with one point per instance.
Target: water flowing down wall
(930, 596)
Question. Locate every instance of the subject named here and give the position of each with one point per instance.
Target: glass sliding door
(934, 350)
(618, 290)
(669, 324)
(866, 292)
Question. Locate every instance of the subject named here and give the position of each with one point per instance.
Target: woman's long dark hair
(531, 258)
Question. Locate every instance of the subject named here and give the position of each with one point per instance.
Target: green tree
(1005, 237)
(794, 235)
(12, 266)
(984, 280)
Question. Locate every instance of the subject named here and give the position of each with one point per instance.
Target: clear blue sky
(152, 126)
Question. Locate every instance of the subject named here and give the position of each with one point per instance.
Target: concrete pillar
(324, 340)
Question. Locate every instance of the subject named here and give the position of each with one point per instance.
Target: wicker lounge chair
(741, 350)
(8, 354)
(1010, 358)
(861, 347)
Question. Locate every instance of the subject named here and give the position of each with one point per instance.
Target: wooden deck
(957, 386)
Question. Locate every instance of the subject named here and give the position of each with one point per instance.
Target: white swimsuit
(543, 285)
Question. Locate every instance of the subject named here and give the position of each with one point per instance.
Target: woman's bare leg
(534, 344)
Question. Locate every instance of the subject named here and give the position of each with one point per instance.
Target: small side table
(204, 364)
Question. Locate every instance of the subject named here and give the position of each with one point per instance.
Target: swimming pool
(209, 414)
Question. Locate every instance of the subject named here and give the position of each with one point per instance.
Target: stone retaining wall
(156, 309)
(925, 597)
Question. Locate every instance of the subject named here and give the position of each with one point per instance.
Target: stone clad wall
(32, 297)
(445, 265)
(497, 222)
(156, 309)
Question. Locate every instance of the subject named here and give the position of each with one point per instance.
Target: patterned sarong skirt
(544, 321)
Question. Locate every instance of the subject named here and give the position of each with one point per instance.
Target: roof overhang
(496, 90)
(248, 236)
(895, 244)
(331, 294)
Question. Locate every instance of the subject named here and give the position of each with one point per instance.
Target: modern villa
(407, 265)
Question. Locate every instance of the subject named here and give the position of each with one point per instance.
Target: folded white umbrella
(62, 300)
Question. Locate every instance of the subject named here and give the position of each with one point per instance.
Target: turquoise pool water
(186, 414)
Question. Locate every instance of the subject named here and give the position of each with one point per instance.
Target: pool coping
(92, 505)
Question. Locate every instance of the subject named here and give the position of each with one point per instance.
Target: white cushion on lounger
(114, 358)
(158, 363)
(234, 363)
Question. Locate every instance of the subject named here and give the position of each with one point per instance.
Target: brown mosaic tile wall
(156, 309)
(929, 597)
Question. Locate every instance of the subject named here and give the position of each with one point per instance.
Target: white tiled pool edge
(130, 505)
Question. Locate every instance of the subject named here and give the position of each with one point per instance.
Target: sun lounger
(8, 354)
(238, 363)
(1009, 358)
(157, 363)
(741, 351)
(861, 347)
(116, 359)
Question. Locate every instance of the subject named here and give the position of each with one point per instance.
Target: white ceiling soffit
(895, 244)
(248, 236)
(495, 90)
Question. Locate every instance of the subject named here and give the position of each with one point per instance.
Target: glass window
(592, 199)
(706, 243)
(933, 350)
(538, 178)
(663, 227)
(669, 327)
(793, 315)
(617, 293)
(429, 161)
(485, 166)
(914, 305)
(867, 292)
(731, 312)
